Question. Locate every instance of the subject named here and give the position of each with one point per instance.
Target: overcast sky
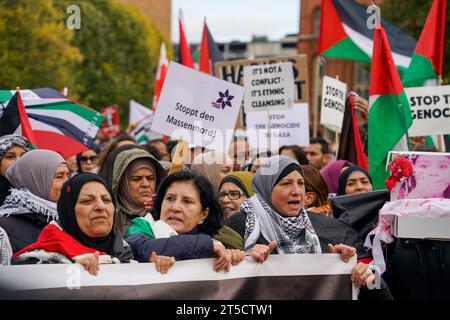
(236, 19)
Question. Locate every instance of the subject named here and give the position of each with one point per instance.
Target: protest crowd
(141, 195)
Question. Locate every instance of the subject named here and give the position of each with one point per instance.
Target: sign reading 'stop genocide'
(268, 87)
(333, 103)
(197, 108)
(430, 108)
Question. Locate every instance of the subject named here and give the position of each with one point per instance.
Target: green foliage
(410, 16)
(35, 47)
(110, 60)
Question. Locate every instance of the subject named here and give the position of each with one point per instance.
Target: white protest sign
(430, 108)
(287, 127)
(333, 103)
(197, 108)
(268, 86)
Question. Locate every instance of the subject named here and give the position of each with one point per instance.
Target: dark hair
(322, 142)
(248, 166)
(298, 152)
(208, 198)
(424, 148)
(94, 148)
(314, 182)
(112, 145)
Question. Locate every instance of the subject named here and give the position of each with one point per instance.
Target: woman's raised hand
(90, 263)
(260, 252)
(162, 263)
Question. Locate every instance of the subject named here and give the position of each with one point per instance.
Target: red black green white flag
(344, 34)
(427, 60)
(57, 122)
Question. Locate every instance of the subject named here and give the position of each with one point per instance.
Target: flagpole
(440, 137)
(405, 126)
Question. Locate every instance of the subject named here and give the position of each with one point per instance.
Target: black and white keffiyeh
(292, 234)
(5, 249)
(22, 201)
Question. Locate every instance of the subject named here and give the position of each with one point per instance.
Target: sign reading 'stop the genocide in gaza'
(233, 71)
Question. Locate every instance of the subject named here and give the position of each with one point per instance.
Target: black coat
(4, 189)
(23, 229)
(418, 269)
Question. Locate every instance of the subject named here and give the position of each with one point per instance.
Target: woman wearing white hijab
(37, 178)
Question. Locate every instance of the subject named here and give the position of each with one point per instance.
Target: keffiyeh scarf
(22, 201)
(292, 234)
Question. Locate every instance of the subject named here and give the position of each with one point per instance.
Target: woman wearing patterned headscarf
(37, 178)
(12, 147)
(275, 218)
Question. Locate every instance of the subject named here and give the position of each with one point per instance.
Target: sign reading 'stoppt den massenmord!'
(268, 87)
(333, 103)
(287, 127)
(430, 108)
(197, 108)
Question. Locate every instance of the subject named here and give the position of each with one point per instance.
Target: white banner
(430, 108)
(293, 276)
(287, 127)
(197, 108)
(268, 87)
(333, 103)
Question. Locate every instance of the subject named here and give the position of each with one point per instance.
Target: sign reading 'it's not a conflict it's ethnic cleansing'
(197, 108)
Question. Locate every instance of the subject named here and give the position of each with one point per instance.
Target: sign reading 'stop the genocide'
(430, 108)
(268, 87)
(333, 103)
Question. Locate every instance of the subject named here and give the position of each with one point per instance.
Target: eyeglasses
(86, 159)
(232, 195)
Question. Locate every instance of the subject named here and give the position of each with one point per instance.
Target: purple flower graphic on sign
(225, 99)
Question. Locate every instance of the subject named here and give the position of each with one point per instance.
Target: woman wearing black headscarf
(354, 180)
(84, 232)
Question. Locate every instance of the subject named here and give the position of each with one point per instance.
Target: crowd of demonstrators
(120, 205)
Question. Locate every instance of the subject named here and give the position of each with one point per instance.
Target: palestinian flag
(209, 52)
(389, 111)
(344, 34)
(57, 122)
(184, 53)
(351, 147)
(427, 60)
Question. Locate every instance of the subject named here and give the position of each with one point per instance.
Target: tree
(410, 16)
(36, 49)
(121, 50)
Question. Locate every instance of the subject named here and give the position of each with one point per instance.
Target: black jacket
(4, 189)
(23, 229)
(418, 269)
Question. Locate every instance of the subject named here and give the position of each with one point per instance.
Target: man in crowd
(318, 153)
